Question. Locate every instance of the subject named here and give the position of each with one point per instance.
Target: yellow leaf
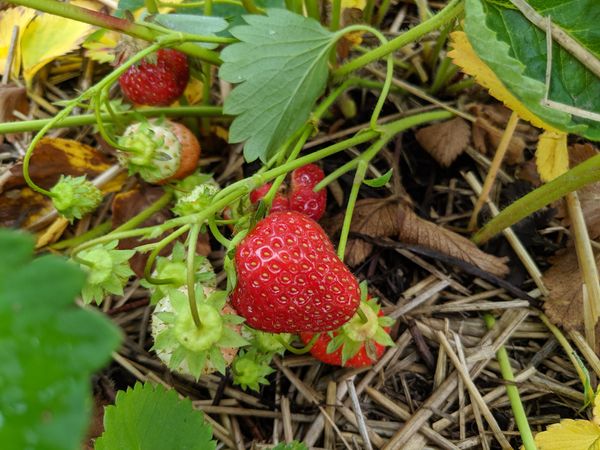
(358, 4)
(552, 156)
(51, 234)
(9, 18)
(48, 37)
(569, 434)
(88, 4)
(465, 57)
(100, 45)
(194, 91)
(596, 410)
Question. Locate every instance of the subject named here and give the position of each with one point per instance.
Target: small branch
(583, 55)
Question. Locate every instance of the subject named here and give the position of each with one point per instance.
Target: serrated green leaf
(151, 418)
(281, 65)
(379, 181)
(193, 24)
(49, 348)
(515, 50)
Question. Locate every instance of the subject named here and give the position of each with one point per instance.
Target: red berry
(368, 349)
(306, 176)
(290, 279)
(280, 202)
(307, 202)
(157, 83)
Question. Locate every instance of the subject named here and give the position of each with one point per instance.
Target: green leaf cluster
(152, 418)
(49, 348)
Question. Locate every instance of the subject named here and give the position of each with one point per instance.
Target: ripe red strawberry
(157, 83)
(280, 202)
(356, 343)
(290, 279)
(306, 176)
(307, 202)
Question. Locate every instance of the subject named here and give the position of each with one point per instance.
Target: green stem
(440, 76)
(449, 13)
(368, 11)
(513, 392)
(336, 14)
(158, 247)
(585, 173)
(90, 119)
(312, 7)
(297, 6)
(151, 6)
(208, 6)
(296, 350)
(140, 218)
(252, 8)
(214, 229)
(90, 234)
(113, 23)
(381, 12)
(191, 274)
(359, 176)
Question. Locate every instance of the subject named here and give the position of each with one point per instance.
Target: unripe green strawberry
(74, 197)
(159, 150)
(289, 278)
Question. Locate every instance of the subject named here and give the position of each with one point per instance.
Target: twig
(11, 54)
(360, 418)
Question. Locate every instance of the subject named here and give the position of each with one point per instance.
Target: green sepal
(379, 181)
(74, 197)
(350, 349)
(250, 369)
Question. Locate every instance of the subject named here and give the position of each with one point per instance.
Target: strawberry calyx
(74, 197)
(185, 348)
(250, 369)
(154, 151)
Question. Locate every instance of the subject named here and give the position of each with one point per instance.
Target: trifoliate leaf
(551, 155)
(281, 63)
(49, 348)
(515, 50)
(152, 418)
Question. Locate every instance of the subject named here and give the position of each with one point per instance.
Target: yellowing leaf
(358, 4)
(596, 410)
(464, 56)
(48, 37)
(9, 18)
(552, 156)
(569, 434)
(53, 233)
(194, 91)
(100, 45)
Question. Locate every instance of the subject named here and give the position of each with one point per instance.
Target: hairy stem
(191, 275)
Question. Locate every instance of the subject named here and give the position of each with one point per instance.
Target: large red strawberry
(159, 82)
(290, 279)
(358, 343)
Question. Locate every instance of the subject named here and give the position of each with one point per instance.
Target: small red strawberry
(157, 83)
(307, 176)
(290, 279)
(308, 202)
(357, 343)
(280, 202)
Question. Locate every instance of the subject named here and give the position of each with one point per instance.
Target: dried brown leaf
(373, 217)
(489, 126)
(445, 141)
(414, 230)
(564, 304)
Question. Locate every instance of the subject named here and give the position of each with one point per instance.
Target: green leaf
(193, 24)
(281, 63)
(151, 418)
(294, 445)
(515, 50)
(379, 181)
(49, 347)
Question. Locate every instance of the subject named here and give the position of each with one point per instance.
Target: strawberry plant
(223, 267)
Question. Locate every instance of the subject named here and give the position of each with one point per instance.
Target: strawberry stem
(158, 247)
(360, 313)
(296, 350)
(191, 275)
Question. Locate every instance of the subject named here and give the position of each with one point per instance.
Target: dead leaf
(489, 126)
(20, 208)
(53, 233)
(374, 217)
(128, 204)
(55, 156)
(551, 155)
(564, 304)
(12, 98)
(414, 230)
(445, 141)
